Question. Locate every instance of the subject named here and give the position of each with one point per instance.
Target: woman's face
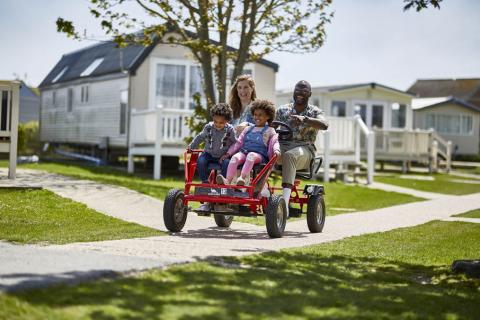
(244, 91)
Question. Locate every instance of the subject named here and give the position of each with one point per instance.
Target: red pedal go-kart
(228, 201)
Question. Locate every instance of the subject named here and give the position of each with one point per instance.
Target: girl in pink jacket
(256, 144)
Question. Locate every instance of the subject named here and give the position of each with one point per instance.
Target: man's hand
(297, 119)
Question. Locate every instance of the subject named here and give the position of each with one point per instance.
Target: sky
(367, 41)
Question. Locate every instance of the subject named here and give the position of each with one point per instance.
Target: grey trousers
(292, 160)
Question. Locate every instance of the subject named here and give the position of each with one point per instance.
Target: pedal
(294, 212)
(202, 214)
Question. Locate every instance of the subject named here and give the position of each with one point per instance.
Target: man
(305, 120)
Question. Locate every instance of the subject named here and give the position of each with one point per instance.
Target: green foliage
(442, 183)
(258, 27)
(40, 216)
(401, 274)
(200, 117)
(29, 138)
(421, 4)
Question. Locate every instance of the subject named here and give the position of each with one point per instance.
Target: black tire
(174, 212)
(276, 216)
(222, 220)
(316, 213)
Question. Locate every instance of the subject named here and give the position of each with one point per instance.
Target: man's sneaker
(265, 192)
(204, 207)
(240, 181)
(221, 179)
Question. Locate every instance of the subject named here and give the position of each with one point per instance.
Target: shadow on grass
(270, 286)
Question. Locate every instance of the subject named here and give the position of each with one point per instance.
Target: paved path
(30, 266)
(463, 219)
(412, 192)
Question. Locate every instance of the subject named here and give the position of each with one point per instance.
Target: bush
(29, 138)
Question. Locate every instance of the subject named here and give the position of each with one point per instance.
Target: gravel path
(29, 266)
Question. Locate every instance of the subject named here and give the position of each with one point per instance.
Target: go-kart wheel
(316, 213)
(223, 221)
(276, 216)
(174, 211)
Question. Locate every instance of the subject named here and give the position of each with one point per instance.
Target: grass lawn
(470, 214)
(40, 216)
(340, 198)
(401, 274)
(154, 188)
(344, 198)
(442, 183)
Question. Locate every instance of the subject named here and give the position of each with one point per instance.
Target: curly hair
(266, 106)
(234, 100)
(223, 110)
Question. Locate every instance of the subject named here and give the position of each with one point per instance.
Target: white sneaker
(265, 192)
(204, 207)
(240, 181)
(221, 179)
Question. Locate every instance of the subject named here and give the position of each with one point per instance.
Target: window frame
(436, 122)
(84, 94)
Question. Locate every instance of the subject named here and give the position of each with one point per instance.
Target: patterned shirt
(302, 134)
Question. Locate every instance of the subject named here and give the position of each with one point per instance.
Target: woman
(242, 94)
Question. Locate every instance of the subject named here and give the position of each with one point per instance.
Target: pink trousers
(238, 158)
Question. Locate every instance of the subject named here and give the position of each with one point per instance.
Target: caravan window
(195, 86)
(399, 112)
(339, 109)
(361, 109)
(170, 83)
(449, 123)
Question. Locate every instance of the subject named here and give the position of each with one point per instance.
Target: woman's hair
(234, 99)
(266, 106)
(223, 110)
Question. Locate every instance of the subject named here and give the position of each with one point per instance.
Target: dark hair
(223, 110)
(266, 106)
(234, 100)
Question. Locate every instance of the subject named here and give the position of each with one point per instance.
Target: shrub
(29, 138)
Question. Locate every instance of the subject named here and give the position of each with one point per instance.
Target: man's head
(302, 93)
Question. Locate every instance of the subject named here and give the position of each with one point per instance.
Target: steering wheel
(283, 134)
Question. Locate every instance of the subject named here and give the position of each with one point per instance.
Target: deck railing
(413, 145)
(347, 140)
(9, 111)
(171, 129)
(343, 141)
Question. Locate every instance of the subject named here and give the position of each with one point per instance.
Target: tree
(255, 27)
(421, 4)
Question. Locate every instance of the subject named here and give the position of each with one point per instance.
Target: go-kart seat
(308, 173)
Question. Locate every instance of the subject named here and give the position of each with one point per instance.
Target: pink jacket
(273, 145)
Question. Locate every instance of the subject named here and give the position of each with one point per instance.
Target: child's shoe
(221, 179)
(240, 181)
(204, 207)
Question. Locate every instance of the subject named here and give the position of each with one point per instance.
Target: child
(218, 135)
(256, 144)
